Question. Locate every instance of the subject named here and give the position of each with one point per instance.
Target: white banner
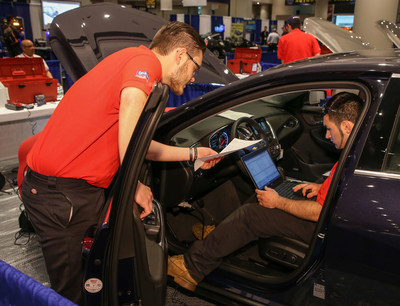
(194, 2)
(166, 5)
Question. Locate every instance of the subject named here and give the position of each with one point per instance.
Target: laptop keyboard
(285, 190)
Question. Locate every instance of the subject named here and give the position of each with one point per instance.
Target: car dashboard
(184, 184)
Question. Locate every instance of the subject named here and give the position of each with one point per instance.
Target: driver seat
(285, 251)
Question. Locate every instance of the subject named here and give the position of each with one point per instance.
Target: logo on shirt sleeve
(142, 75)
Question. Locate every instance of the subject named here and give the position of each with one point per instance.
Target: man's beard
(177, 81)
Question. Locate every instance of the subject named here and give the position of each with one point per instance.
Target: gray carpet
(26, 255)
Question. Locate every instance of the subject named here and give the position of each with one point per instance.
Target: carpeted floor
(25, 253)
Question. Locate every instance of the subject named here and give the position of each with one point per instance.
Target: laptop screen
(261, 168)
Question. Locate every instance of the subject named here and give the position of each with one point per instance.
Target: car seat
(285, 251)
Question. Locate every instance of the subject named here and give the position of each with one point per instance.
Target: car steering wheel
(255, 132)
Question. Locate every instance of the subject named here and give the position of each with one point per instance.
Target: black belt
(53, 181)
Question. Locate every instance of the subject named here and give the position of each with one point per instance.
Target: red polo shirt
(80, 139)
(325, 186)
(297, 45)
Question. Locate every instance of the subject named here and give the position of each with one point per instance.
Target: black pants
(244, 225)
(61, 211)
(13, 50)
(272, 47)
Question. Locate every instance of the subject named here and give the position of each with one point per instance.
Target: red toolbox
(26, 78)
(246, 60)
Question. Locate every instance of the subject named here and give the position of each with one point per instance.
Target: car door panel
(133, 269)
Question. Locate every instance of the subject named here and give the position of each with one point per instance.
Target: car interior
(291, 128)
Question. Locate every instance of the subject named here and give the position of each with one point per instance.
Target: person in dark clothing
(264, 36)
(10, 38)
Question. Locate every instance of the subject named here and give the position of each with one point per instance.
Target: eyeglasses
(197, 65)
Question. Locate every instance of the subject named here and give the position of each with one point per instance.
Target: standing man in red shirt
(296, 45)
(83, 144)
(273, 215)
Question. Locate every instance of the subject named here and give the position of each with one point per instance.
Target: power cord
(26, 229)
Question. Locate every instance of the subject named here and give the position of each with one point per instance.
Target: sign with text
(237, 30)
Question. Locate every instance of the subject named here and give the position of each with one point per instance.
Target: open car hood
(392, 31)
(82, 37)
(334, 37)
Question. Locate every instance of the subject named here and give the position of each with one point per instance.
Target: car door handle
(153, 222)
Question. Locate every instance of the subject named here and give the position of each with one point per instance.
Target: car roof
(371, 60)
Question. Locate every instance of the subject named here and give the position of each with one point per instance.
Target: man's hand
(144, 198)
(204, 151)
(268, 198)
(308, 190)
(305, 209)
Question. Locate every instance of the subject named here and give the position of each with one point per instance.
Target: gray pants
(62, 210)
(244, 225)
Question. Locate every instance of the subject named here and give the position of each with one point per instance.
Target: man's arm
(161, 152)
(132, 104)
(46, 67)
(305, 209)
(49, 75)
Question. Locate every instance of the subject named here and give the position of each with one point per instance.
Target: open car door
(127, 262)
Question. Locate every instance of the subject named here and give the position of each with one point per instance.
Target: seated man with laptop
(273, 215)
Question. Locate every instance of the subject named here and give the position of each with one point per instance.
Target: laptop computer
(263, 172)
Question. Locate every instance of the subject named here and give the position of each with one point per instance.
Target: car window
(392, 164)
(275, 108)
(374, 156)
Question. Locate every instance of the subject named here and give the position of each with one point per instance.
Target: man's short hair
(177, 34)
(343, 106)
(294, 22)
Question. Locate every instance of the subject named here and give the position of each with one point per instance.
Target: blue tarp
(18, 289)
(191, 91)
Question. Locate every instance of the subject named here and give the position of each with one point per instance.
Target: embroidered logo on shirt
(142, 74)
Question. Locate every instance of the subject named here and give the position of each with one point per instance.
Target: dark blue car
(353, 258)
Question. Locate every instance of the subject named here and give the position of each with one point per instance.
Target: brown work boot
(177, 269)
(201, 232)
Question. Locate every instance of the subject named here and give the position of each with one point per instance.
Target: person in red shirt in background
(296, 45)
(273, 215)
(76, 156)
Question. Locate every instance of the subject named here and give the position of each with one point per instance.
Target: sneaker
(177, 269)
(201, 232)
